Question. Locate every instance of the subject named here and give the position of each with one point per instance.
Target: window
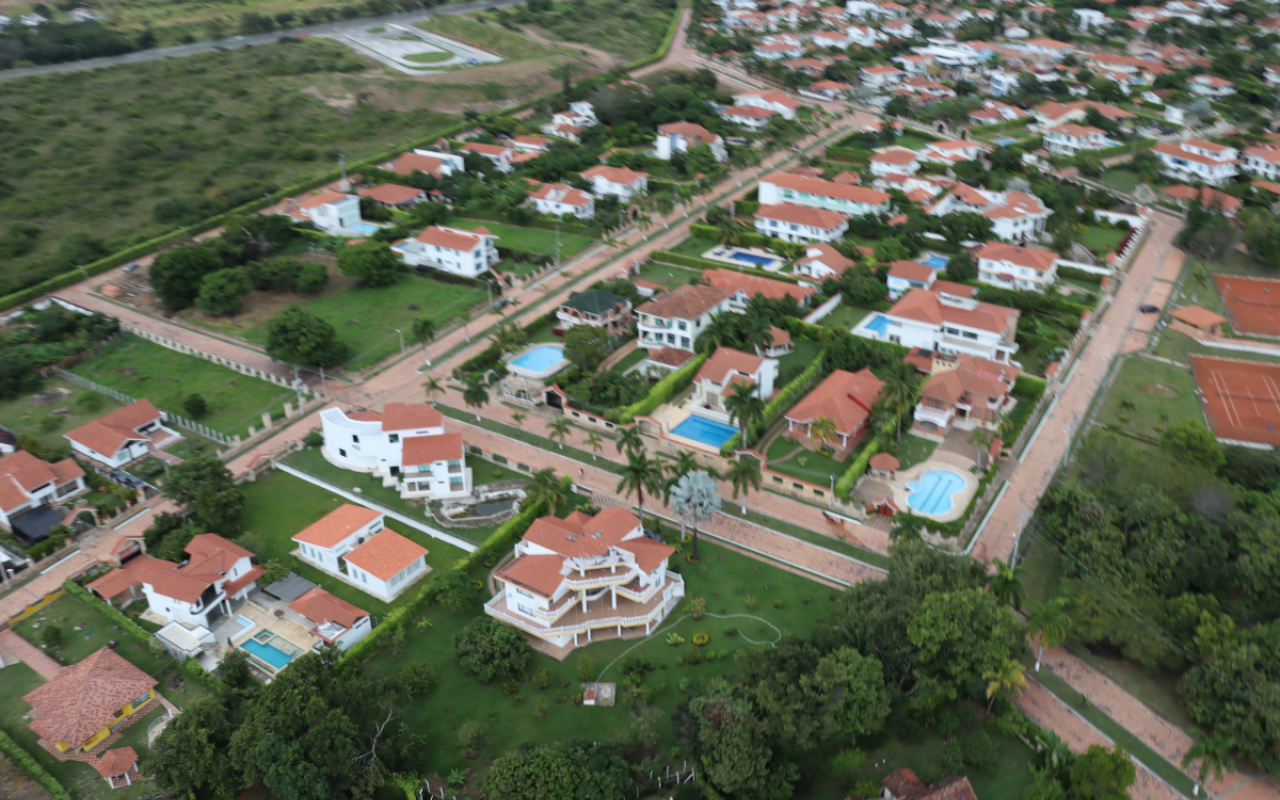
(682, 325)
(393, 438)
(355, 439)
(342, 452)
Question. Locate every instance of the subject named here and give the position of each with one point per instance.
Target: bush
(693, 655)
(14, 752)
(195, 405)
(489, 649)
(1029, 387)
(314, 439)
(586, 668)
(661, 392)
(51, 636)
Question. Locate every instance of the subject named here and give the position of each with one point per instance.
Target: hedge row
(1080, 275)
(1029, 387)
(748, 238)
(746, 206)
(29, 765)
(781, 401)
(1121, 149)
(845, 485)
(188, 666)
(661, 392)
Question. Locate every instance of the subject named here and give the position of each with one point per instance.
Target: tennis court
(1252, 304)
(1241, 398)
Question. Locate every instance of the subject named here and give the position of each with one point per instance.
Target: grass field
(1149, 394)
(912, 450)
(912, 141)
(807, 465)
(1100, 239)
(530, 240)
(1122, 179)
(630, 361)
(166, 377)
(629, 32)
(22, 416)
(667, 275)
(1006, 779)
(428, 58)
(509, 44)
(844, 317)
(797, 361)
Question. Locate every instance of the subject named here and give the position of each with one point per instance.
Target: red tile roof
(107, 434)
(620, 175)
(884, 462)
(924, 306)
(731, 281)
(818, 218)
(671, 356)
(409, 163)
(689, 130)
(324, 198)
(113, 584)
(232, 588)
(912, 271)
(1197, 317)
(450, 240)
(420, 450)
(817, 186)
(579, 535)
(1030, 257)
(846, 397)
(828, 255)
(337, 525)
(750, 112)
(21, 473)
(539, 574)
(83, 698)
(726, 362)
(410, 416)
(320, 607)
(116, 762)
(386, 554)
(392, 193)
(491, 150)
(686, 302)
(1209, 198)
(895, 157)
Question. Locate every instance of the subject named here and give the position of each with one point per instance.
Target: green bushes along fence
(14, 752)
(661, 392)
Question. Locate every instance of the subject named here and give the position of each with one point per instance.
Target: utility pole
(557, 247)
(401, 340)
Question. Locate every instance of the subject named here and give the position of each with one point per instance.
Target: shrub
(543, 678)
(693, 655)
(586, 668)
(14, 752)
(489, 649)
(195, 405)
(701, 639)
(675, 639)
(472, 735)
(314, 439)
(843, 766)
(51, 636)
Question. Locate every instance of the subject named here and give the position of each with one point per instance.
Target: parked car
(131, 266)
(1147, 308)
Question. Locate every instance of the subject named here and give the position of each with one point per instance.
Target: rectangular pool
(878, 324)
(365, 228)
(264, 647)
(706, 431)
(934, 261)
(753, 259)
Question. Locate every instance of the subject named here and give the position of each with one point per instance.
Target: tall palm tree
(545, 487)
(595, 443)
(1006, 677)
(744, 474)
(559, 428)
(696, 498)
(823, 430)
(629, 439)
(640, 474)
(424, 330)
(729, 232)
(756, 333)
(1049, 623)
(721, 331)
(476, 394)
(1214, 754)
(982, 438)
(518, 417)
(901, 389)
(744, 407)
(432, 387)
(1006, 584)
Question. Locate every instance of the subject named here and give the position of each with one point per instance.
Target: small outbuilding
(1202, 319)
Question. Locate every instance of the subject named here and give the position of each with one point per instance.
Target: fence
(195, 427)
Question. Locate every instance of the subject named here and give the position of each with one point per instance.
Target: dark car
(1147, 308)
(423, 269)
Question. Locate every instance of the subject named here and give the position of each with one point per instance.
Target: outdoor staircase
(29, 654)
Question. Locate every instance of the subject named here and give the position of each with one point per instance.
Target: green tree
(696, 498)
(490, 649)
(298, 337)
(191, 753)
(744, 407)
(176, 275)
(576, 771)
(901, 390)
(640, 474)
(744, 474)
(629, 439)
(208, 486)
(424, 331)
(221, 292)
(593, 441)
(1190, 439)
(432, 387)
(823, 430)
(288, 773)
(195, 405)
(1214, 754)
(733, 748)
(475, 394)
(1101, 774)
(586, 346)
(312, 277)
(558, 429)
(1005, 677)
(544, 487)
(1006, 584)
(1049, 623)
(372, 263)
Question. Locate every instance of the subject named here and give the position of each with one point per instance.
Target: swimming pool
(707, 431)
(752, 258)
(539, 362)
(272, 649)
(933, 492)
(934, 261)
(878, 324)
(365, 227)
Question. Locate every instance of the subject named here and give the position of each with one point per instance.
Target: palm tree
(424, 330)
(901, 389)
(1009, 675)
(507, 336)
(1049, 623)
(643, 220)
(722, 330)
(465, 318)
(906, 526)
(518, 417)
(685, 463)
(982, 438)
(744, 407)
(640, 473)
(744, 474)
(1057, 755)
(823, 430)
(545, 487)
(696, 498)
(432, 387)
(476, 394)
(595, 443)
(729, 233)
(629, 439)
(1214, 754)
(1006, 584)
(559, 428)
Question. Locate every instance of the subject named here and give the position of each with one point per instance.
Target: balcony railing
(674, 591)
(601, 579)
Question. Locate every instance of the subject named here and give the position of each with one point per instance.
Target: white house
(404, 444)
(796, 223)
(570, 124)
(1088, 19)
(821, 261)
(907, 275)
(681, 137)
(1015, 216)
(676, 318)
(753, 118)
(580, 574)
(1047, 49)
(455, 250)
(496, 154)
(27, 482)
(1052, 113)
(1271, 75)
(946, 318)
(617, 181)
(863, 35)
(332, 212)
(1002, 83)
(1012, 266)
(558, 199)
(855, 201)
(836, 39)
(430, 162)
(898, 29)
(731, 371)
(882, 77)
(1211, 86)
(953, 151)
(335, 621)
(1196, 160)
(1262, 160)
(742, 288)
(125, 434)
(352, 542)
(895, 161)
(1069, 139)
(772, 99)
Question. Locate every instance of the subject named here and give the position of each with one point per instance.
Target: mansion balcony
(601, 612)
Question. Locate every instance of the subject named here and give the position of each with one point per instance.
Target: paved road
(235, 43)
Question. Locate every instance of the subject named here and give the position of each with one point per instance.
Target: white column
(583, 594)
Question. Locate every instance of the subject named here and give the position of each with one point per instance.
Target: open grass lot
(1148, 394)
(1122, 179)
(630, 361)
(629, 32)
(913, 141)
(166, 377)
(792, 364)
(667, 275)
(844, 317)
(278, 505)
(807, 465)
(365, 318)
(530, 240)
(155, 145)
(19, 414)
(1102, 239)
(695, 246)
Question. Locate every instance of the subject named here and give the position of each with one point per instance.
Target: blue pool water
(707, 431)
(752, 258)
(1005, 141)
(933, 492)
(540, 359)
(935, 261)
(365, 227)
(272, 655)
(878, 325)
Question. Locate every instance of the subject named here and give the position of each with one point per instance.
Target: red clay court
(1241, 398)
(1253, 304)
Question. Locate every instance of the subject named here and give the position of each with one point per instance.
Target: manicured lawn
(166, 377)
(695, 246)
(667, 275)
(913, 449)
(912, 141)
(629, 361)
(19, 414)
(1100, 239)
(844, 317)
(1147, 394)
(792, 364)
(278, 505)
(725, 580)
(807, 465)
(1122, 179)
(530, 240)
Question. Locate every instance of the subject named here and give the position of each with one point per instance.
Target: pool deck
(722, 252)
(946, 460)
(288, 625)
(547, 371)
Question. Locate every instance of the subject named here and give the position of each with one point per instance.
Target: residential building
(834, 39)
(393, 195)
(1211, 86)
(1015, 216)
(676, 318)
(914, 65)
(1052, 114)
(596, 308)
(742, 288)
(863, 35)
(453, 250)
(29, 484)
(821, 261)
(966, 392)
(843, 397)
(994, 112)
(831, 90)
(570, 124)
(904, 785)
(124, 435)
(1209, 198)
(1069, 139)
(731, 371)
(1089, 18)
(953, 151)
(895, 161)
(1012, 266)
(558, 199)
(779, 345)
(907, 275)
(331, 212)
(796, 223)
(753, 118)
(78, 708)
(855, 201)
(772, 99)
(881, 78)
(1262, 160)
(619, 182)
(947, 318)
(1002, 83)
(1197, 161)
(1047, 49)
(426, 161)
(868, 9)
(681, 137)
(898, 29)
(497, 155)
(583, 574)
(405, 444)
(531, 144)
(778, 51)
(335, 622)
(930, 90)
(353, 543)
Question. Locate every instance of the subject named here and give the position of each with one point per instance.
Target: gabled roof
(748, 112)
(912, 271)
(579, 535)
(1209, 198)
(671, 356)
(449, 239)
(1030, 257)
(107, 434)
(689, 130)
(322, 199)
(22, 473)
(827, 255)
(726, 362)
(924, 306)
(896, 157)
(1197, 317)
(420, 450)
(116, 762)
(817, 186)
(594, 301)
(733, 281)
(392, 193)
(410, 416)
(320, 607)
(386, 554)
(83, 698)
(540, 574)
(561, 193)
(685, 302)
(337, 525)
(619, 175)
(491, 150)
(846, 397)
(818, 218)
(409, 163)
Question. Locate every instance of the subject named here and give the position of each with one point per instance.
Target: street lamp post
(401, 340)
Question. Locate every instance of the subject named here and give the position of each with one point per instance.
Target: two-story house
(583, 573)
(907, 275)
(964, 391)
(1012, 266)
(1015, 216)
(334, 621)
(429, 162)
(453, 250)
(1053, 113)
(681, 137)
(124, 435)
(501, 157)
(883, 77)
(855, 201)
(28, 483)
(1197, 161)
(78, 708)
(558, 199)
(393, 195)
(752, 118)
(404, 444)
(946, 317)
(953, 151)
(675, 318)
(778, 102)
(331, 212)
(895, 161)
(353, 543)
(727, 372)
(596, 308)
(1262, 160)
(570, 124)
(741, 288)
(843, 397)
(1069, 139)
(795, 223)
(821, 261)
(1210, 86)
(619, 182)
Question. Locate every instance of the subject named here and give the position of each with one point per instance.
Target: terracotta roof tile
(337, 525)
(731, 281)
(686, 302)
(107, 434)
(671, 356)
(420, 450)
(21, 473)
(803, 215)
(392, 193)
(410, 416)
(540, 574)
(579, 536)
(386, 554)
(83, 698)
(450, 240)
(1197, 317)
(817, 186)
(619, 175)
(320, 607)
(324, 198)
(726, 361)
(116, 762)
(846, 397)
(912, 271)
(1030, 257)
(409, 163)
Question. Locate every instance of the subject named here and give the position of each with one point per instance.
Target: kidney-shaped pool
(933, 492)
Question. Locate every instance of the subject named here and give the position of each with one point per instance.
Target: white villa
(497, 155)
(332, 212)
(334, 621)
(881, 77)
(27, 482)
(353, 543)
(558, 199)
(1015, 216)
(907, 275)
(821, 261)
(570, 124)
(122, 436)
(1069, 139)
(405, 445)
(855, 201)
(946, 318)
(1211, 86)
(796, 223)
(1261, 160)
(681, 137)
(675, 318)
(770, 99)
(1012, 266)
(454, 250)
(1197, 161)
(895, 161)
(619, 182)
(753, 118)
(729, 371)
(575, 576)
